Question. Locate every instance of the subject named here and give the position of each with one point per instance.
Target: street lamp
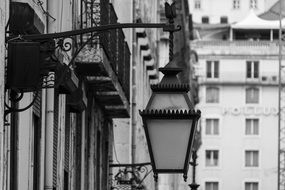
(169, 119)
(170, 123)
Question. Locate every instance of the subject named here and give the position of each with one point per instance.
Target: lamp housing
(170, 121)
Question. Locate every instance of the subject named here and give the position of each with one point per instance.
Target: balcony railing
(106, 60)
(239, 78)
(116, 48)
(236, 47)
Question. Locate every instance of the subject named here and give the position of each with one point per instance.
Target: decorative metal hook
(194, 185)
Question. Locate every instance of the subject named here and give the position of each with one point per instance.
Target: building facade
(217, 11)
(71, 102)
(4, 17)
(64, 140)
(151, 51)
(238, 78)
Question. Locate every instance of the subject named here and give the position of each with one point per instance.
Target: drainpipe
(42, 140)
(49, 122)
(48, 183)
(133, 99)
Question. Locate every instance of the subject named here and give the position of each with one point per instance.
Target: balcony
(235, 48)
(239, 78)
(105, 62)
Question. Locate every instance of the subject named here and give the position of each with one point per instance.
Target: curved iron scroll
(131, 175)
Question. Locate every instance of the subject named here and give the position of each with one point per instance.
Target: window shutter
(55, 138)
(67, 143)
(209, 69)
(37, 104)
(216, 69)
(248, 69)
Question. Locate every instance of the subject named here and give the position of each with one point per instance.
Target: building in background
(238, 91)
(223, 11)
(84, 115)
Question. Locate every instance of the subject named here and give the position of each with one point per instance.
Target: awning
(254, 22)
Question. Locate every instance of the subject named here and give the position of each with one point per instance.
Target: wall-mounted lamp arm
(166, 27)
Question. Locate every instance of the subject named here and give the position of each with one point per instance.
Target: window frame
(252, 126)
(250, 98)
(212, 126)
(252, 164)
(251, 183)
(212, 69)
(224, 20)
(212, 100)
(211, 163)
(211, 182)
(236, 4)
(197, 5)
(205, 20)
(252, 70)
(253, 4)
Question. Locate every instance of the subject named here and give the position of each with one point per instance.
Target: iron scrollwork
(130, 175)
(66, 44)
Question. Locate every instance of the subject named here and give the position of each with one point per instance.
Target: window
(252, 69)
(251, 126)
(251, 158)
(251, 186)
(212, 126)
(253, 4)
(211, 185)
(212, 95)
(224, 20)
(252, 95)
(212, 157)
(197, 4)
(205, 20)
(236, 4)
(212, 69)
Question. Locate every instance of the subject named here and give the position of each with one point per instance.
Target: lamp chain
(171, 45)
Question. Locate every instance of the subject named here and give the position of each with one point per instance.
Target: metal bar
(81, 20)
(166, 27)
(279, 94)
(130, 165)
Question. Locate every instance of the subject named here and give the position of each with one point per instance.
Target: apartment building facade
(237, 74)
(64, 140)
(224, 12)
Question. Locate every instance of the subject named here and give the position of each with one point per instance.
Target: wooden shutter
(55, 138)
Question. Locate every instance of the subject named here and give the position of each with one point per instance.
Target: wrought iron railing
(236, 47)
(112, 42)
(270, 78)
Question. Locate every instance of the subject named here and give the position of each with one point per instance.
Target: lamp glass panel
(169, 102)
(169, 140)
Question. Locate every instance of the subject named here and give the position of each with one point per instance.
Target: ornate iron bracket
(131, 175)
(194, 185)
(64, 41)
